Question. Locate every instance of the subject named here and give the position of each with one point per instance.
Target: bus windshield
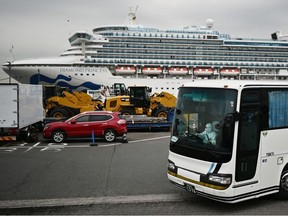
(203, 125)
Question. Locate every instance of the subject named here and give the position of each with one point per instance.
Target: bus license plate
(190, 188)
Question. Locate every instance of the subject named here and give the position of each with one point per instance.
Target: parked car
(106, 124)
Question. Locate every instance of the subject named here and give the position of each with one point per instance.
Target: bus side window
(278, 106)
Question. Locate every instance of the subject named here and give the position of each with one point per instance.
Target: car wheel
(58, 136)
(109, 135)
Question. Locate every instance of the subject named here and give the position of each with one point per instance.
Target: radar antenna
(132, 15)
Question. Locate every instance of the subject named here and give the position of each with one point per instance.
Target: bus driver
(208, 135)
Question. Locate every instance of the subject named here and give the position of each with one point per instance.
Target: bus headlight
(221, 179)
(172, 168)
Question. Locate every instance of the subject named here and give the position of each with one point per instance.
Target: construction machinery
(67, 104)
(135, 100)
(139, 102)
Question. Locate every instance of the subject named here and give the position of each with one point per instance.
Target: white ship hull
(82, 78)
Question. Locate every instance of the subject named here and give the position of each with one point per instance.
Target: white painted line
(79, 146)
(149, 198)
(155, 138)
(32, 147)
(135, 141)
(108, 145)
(7, 149)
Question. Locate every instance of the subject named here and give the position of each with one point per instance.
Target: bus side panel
(274, 155)
(248, 189)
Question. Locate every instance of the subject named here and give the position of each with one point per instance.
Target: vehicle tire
(58, 136)
(110, 135)
(59, 113)
(128, 111)
(162, 112)
(283, 187)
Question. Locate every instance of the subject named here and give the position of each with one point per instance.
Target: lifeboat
(152, 70)
(125, 70)
(177, 70)
(203, 71)
(229, 71)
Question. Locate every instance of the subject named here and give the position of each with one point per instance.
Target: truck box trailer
(21, 110)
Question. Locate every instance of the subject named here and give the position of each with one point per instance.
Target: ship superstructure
(163, 59)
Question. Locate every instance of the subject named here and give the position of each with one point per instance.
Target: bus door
(246, 174)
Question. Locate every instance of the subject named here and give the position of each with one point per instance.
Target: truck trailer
(21, 110)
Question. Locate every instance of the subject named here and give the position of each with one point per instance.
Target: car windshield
(203, 126)
(73, 117)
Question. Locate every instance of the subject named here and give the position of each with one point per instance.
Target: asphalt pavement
(108, 178)
(75, 169)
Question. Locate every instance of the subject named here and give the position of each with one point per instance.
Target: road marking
(7, 149)
(108, 145)
(32, 147)
(135, 141)
(155, 138)
(149, 198)
(54, 147)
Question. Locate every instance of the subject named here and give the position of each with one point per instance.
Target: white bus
(229, 139)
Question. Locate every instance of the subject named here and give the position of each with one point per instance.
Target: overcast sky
(40, 28)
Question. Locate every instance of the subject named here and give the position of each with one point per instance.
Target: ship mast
(132, 16)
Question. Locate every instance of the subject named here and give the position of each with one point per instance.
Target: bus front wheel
(283, 190)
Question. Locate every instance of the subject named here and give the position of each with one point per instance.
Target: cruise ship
(161, 59)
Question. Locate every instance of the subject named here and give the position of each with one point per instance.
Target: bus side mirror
(178, 112)
(232, 117)
(228, 119)
(236, 116)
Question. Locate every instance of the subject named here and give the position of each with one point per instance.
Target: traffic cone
(93, 140)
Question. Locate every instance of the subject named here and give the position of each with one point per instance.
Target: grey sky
(40, 28)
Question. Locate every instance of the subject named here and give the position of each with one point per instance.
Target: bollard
(93, 140)
(124, 138)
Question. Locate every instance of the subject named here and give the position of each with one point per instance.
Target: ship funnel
(279, 36)
(274, 35)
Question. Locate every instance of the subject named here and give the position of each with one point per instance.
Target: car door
(79, 127)
(99, 123)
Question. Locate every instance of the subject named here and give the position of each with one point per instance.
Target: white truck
(21, 110)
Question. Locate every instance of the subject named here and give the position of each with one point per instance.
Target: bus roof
(236, 84)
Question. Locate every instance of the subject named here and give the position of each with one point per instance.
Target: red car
(106, 124)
